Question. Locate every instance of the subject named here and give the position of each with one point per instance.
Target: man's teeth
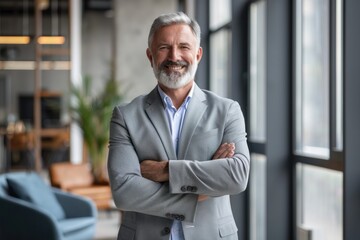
(175, 67)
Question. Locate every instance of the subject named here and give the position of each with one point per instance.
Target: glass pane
(312, 88)
(257, 188)
(220, 62)
(339, 76)
(319, 201)
(257, 72)
(220, 13)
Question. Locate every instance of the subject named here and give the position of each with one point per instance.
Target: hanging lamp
(19, 39)
(54, 38)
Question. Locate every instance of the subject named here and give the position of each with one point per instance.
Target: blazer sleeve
(132, 192)
(218, 177)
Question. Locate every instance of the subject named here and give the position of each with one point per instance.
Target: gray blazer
(139, 131)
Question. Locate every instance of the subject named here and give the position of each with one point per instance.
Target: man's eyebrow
(184, 44)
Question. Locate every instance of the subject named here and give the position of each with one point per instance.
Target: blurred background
(292, 66)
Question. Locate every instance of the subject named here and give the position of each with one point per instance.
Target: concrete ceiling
(20, 7)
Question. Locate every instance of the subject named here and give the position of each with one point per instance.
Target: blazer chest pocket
(201, 135)
(204, 144)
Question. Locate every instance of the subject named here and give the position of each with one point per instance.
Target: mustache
(168, 63)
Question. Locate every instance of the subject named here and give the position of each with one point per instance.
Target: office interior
(293, 65)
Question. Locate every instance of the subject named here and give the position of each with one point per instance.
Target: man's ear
(149, 56)
(199, 54)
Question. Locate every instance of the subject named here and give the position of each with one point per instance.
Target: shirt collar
(167, 100)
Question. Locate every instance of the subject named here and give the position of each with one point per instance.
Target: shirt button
(166, 230)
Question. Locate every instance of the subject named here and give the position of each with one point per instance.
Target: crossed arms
(158, 171)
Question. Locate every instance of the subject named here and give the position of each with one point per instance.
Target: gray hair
(174, 18)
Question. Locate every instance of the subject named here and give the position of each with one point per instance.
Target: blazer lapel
(194, 113)
(155, 111)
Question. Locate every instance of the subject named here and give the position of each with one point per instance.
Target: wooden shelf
(31, 65)
(46, 93)
(55, 51)
(52, 132)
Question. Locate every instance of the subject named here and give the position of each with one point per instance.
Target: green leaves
(93, 113)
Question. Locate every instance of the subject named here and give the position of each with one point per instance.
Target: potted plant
(93, 113)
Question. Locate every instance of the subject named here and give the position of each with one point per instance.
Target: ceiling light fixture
(54, 38)
(51, 40)
(19, 39)
(14, 39)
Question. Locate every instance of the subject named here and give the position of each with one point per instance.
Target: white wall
(97, 32)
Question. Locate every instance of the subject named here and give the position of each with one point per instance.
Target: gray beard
(175, 80)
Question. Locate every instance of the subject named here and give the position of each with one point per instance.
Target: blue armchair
(42, 212)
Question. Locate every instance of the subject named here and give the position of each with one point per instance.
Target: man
(176, 154)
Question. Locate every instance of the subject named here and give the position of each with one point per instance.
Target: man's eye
(185, 47)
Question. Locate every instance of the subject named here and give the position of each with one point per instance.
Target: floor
(107, 225)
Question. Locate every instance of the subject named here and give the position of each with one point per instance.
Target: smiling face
(174, 55)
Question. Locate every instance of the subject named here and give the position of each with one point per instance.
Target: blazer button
(194, 189)
(182, 217)
(166, 231)
(183, 188)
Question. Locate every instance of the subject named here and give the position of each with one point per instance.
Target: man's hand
(226, 150)
(157, 171)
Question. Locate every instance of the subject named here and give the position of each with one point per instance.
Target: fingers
(225, 150)
(157, 171)
(202, 198)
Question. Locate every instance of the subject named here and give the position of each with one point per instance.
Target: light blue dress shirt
(176, 119)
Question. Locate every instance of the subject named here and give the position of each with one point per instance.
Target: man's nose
(174, 54)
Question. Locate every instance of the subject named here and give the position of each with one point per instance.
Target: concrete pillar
(76, 139)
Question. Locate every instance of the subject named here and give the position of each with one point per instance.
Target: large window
(319, 119)
(220, 47)
(257, 117)
(257, 84)
(338, 143)
(319, 200)
(312, 75)
(220, 13)
(220, 43)
(257, 197)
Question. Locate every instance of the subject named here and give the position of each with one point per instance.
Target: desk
(55, 137)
